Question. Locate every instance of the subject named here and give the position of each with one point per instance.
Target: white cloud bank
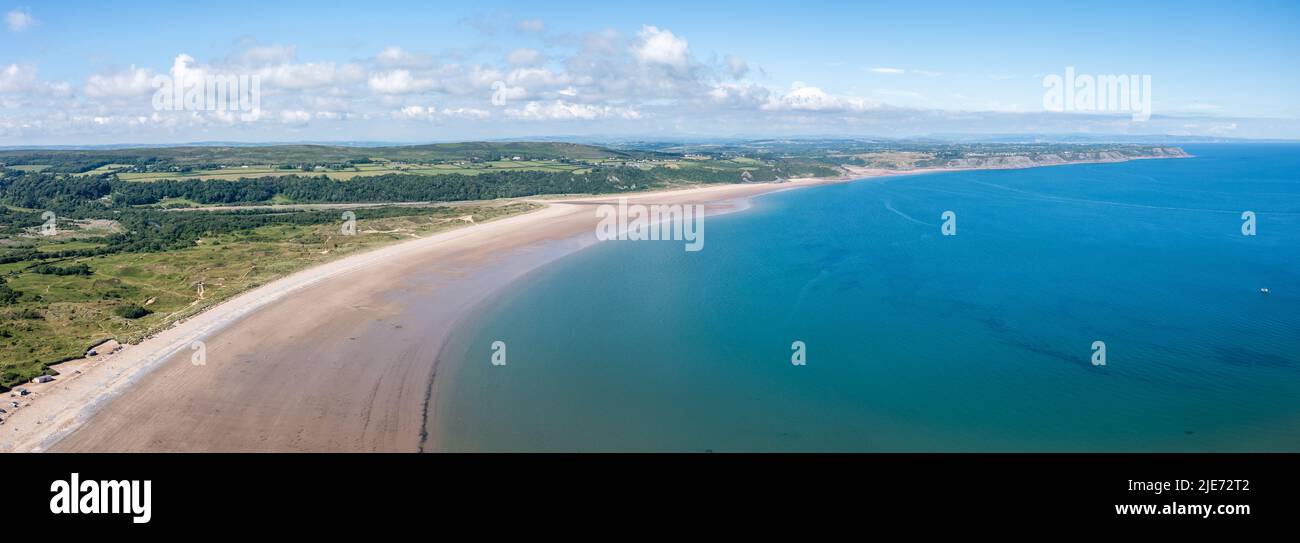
(560, 110)
(655, 46)
(20, 19)
(644, 82)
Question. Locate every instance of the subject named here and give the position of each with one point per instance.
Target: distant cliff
(1029, 160)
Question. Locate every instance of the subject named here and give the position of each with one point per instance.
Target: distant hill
(317, 154)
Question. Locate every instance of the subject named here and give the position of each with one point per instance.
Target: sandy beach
(332, 358)
(317, 361)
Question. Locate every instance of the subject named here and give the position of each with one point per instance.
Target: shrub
(131, 311)
(75, 269)
(8, 296)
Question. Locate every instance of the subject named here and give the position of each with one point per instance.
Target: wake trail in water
(890, 207)
(803, 292)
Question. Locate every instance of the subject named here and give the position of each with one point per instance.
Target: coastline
(279, 374)
(173, 404)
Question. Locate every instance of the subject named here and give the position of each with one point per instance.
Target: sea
(1150, 305)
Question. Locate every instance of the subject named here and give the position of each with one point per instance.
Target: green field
(344, 174)
(242, 172)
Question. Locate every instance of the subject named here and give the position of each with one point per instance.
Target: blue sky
(83, 72)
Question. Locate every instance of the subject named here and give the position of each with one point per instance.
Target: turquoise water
(916, 341)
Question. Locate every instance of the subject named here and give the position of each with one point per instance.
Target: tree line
(380, 188)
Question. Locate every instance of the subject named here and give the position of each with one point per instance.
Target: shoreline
(67, 404)
(445, 366)
(304, 395)
(115, 371)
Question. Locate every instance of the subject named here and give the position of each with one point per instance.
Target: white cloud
(507, 93)
(131, 82)
(399, 82)
(655, 46)
(603, 43)
(20, 19)
(310, 75)
(21, 81)
(739, 95)
(524, 57)
(465, 113)
(412, 112)
(392, 54)
(184, 70)
(59, 89)
(432, 113)
(15, 78)
(805, 98)
(592, 77)
(736, 66)
(536, 77)
(560, 110)
(295, 117)
(398, 57)
(417, 112)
